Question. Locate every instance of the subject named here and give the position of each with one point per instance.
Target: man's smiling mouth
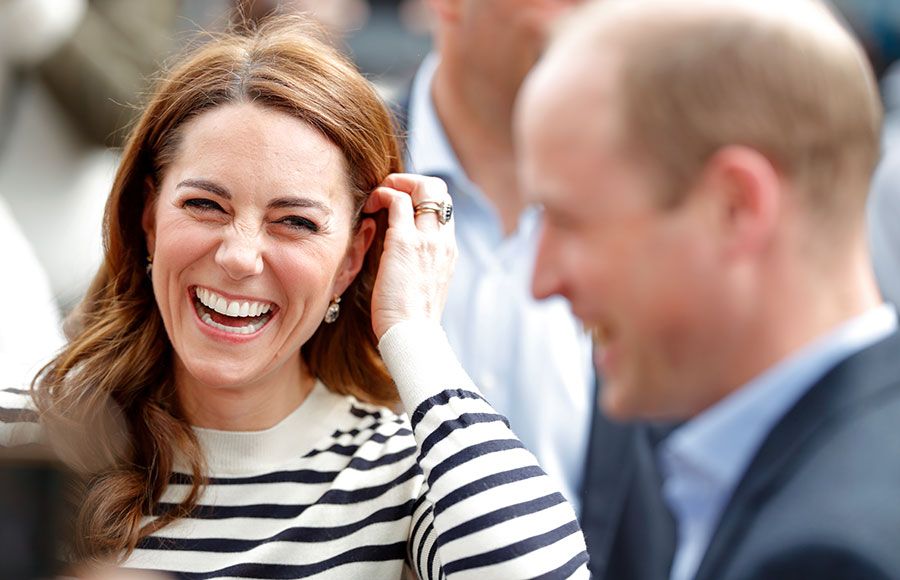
(232, 316)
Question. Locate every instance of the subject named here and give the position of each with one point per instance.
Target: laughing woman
(271, 289)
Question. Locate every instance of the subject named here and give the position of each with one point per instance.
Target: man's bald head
(702, 167)
(692, 76)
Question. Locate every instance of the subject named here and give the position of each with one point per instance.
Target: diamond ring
(443, 209)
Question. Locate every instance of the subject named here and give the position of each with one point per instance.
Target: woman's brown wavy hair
(117, 370)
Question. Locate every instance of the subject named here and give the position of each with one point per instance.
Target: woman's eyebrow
(297, 201)
(205, 185)
(286, 202)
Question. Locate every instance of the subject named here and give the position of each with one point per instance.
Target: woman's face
(251, 238)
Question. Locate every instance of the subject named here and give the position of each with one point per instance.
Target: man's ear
(148, 216)
(355, 257)
(746, 191)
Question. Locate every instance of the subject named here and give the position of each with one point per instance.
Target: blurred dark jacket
(629, 531)
(820, 498)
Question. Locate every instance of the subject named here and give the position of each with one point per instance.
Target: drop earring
(334, 310)
(149, 266)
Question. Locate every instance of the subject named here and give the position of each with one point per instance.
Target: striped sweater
(344, 490)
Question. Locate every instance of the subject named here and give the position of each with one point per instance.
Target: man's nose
(545, 280)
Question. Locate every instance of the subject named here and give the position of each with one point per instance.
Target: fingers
(400, 211)
(419, 251)
(400, 193)
(419, 187)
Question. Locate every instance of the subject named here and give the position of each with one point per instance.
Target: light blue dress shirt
(703, 460)
(531, 359)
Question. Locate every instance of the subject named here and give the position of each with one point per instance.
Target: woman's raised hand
(419, 250)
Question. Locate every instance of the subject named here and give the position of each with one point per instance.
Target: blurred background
(73, 74)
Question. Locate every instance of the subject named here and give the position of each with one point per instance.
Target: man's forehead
(569, 100)
(557, 78)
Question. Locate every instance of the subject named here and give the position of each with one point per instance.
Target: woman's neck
(250, 407)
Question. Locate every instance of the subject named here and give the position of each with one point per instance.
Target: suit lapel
(608, 473)
(851, 382)
(645, 534)
(627, 526)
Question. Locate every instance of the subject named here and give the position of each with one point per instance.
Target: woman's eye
(202, 204)
(297, 222)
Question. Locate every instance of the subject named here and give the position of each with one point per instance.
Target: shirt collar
(429, 153)
(429, 149)
(719, 444)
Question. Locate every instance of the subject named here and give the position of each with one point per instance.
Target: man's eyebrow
(205, 185)
(289, 202)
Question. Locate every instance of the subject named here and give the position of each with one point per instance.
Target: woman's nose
(240, 254)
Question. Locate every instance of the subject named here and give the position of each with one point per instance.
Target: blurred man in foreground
(531, 358)
(703, 166)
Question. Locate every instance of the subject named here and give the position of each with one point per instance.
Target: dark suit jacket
(629, 531)
(821, 499)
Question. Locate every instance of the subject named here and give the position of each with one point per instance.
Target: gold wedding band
(444, 210)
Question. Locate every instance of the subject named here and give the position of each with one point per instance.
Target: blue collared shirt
(531, 359)
(703, 460)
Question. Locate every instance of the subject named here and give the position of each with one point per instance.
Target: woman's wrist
(421, 361)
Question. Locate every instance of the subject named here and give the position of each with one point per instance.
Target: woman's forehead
(260, 149)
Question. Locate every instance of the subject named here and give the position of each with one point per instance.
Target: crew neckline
(256, 452)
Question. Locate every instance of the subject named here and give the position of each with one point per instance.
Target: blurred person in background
(532, 358)
(338, 18)
(385, 38)
(703, 167)
(458, 124)
(877, 23)
(261, 256)
(31, 333)
(884, 203)
(65, 107)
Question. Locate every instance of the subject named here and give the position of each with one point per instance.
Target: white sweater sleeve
(487, 510)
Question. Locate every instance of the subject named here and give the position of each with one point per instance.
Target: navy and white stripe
(345, 490)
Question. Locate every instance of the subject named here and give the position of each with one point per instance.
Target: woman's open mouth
(232, 316)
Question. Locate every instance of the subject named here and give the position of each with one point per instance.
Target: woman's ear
(148, 217)
(356, 255)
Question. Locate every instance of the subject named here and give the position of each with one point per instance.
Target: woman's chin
(225, 375)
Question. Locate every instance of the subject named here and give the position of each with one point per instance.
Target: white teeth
(247, 329)
(221, 306)
(230, 308)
